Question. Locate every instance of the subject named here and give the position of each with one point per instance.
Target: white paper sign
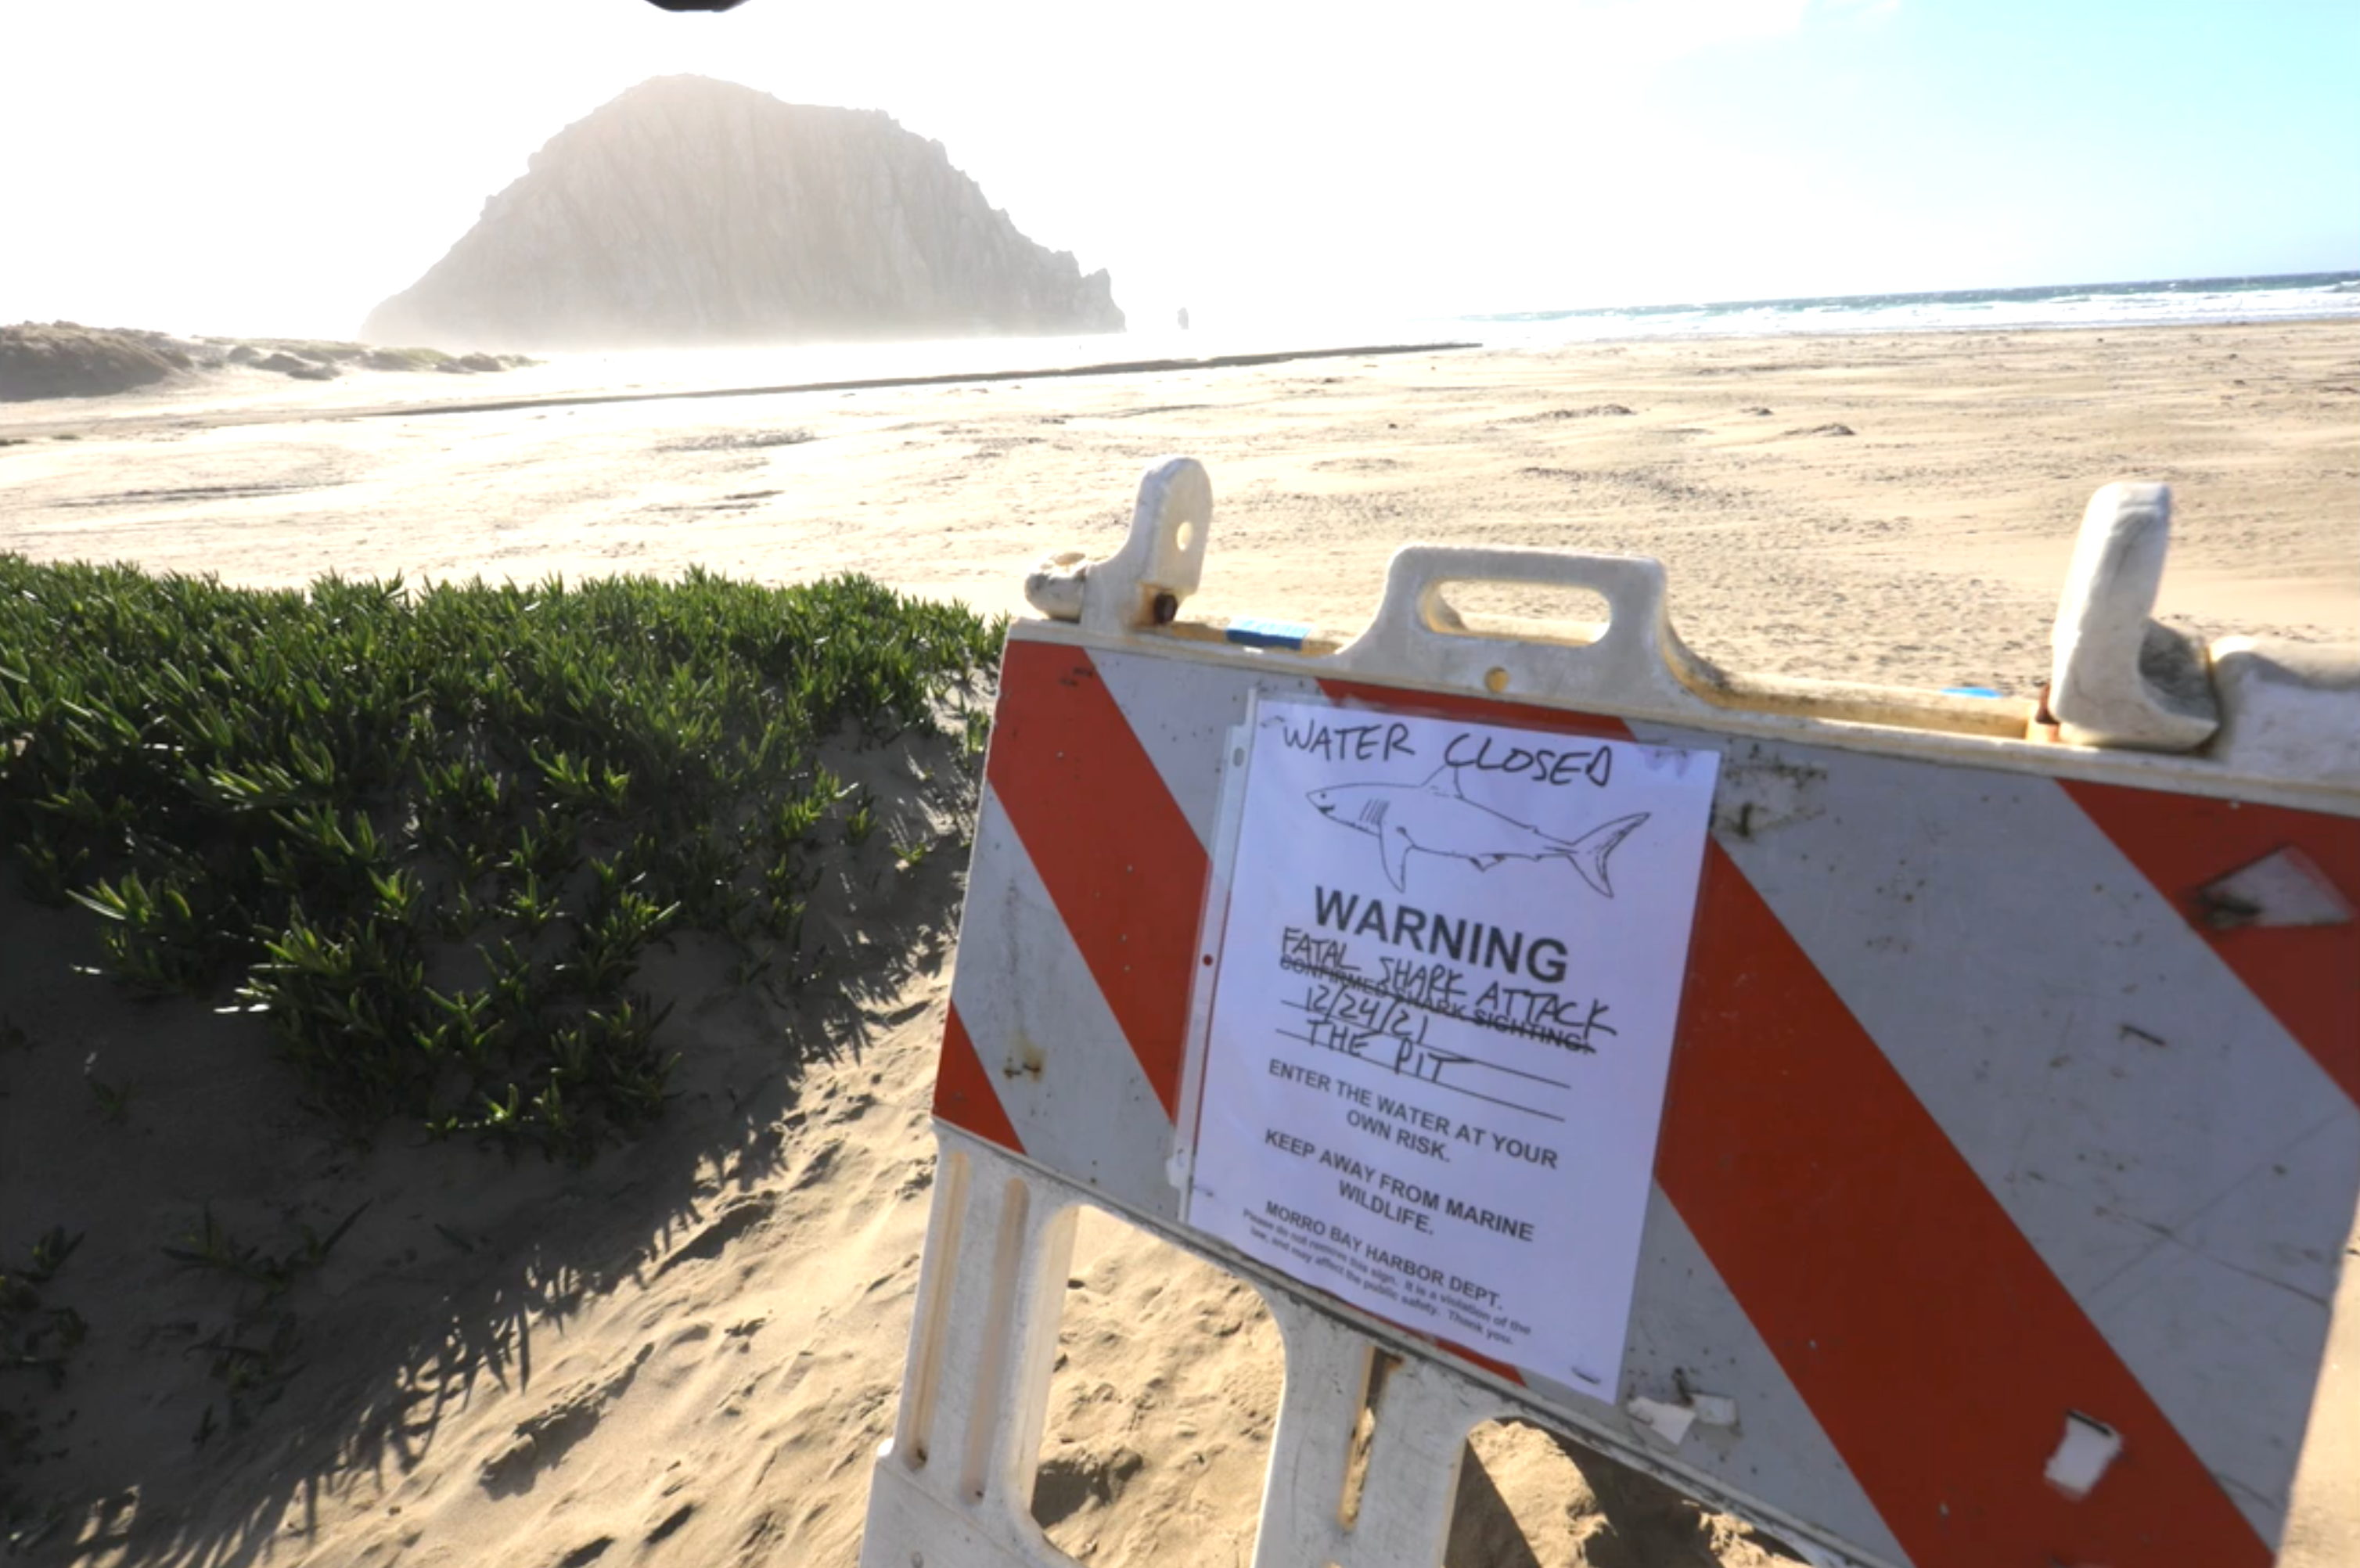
(1447, 980)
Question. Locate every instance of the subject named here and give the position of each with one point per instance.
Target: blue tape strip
(1257, 633)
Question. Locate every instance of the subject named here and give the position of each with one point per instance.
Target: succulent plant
(314, 799)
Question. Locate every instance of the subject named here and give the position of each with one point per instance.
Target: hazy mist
(275, 165)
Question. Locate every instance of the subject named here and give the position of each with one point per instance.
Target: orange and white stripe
(1975, 1120)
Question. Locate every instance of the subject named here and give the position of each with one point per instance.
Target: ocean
(2310, 296)
(668, 373)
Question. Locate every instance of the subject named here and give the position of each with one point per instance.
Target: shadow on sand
(209, 1408)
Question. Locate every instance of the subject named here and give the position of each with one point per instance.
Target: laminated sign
(1446, 983)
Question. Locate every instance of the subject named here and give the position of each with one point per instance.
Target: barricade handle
(1634, 661)
(2119, 678)
(1141, 585)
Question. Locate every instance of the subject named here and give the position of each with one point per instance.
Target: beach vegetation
(38, 1340)
(428, 835)
(210, 1245)
(113, 1101)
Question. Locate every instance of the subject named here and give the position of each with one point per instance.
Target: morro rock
(690, 211)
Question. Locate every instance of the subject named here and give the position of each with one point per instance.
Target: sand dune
(688, 1353)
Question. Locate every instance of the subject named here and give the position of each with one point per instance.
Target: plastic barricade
(1962, 1177)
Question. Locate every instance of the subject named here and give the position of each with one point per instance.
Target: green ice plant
(532, 905)
(112, 1100)
(426, 832)
(50, 1250)
(156, 936)
(35, 1335)
(210, 1245)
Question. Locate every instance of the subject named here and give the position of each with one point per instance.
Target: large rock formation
(690, 212)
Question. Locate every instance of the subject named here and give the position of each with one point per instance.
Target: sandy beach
(689, 1352)
(1924, 544)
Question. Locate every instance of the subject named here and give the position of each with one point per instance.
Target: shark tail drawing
(1588, 852)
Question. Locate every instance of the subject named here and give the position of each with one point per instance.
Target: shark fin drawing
(1438, 819)
(1588, 852)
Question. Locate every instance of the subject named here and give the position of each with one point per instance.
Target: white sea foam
(2201, 300)
(664, 372)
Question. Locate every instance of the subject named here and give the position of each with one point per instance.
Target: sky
(280, 166)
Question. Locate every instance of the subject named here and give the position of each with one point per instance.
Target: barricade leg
(1404, 1495)
(955, 1480)
(953, 1489)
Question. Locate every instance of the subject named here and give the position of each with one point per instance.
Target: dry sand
(688, 1353)
(1925, 547)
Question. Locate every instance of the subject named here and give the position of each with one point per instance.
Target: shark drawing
(1436, 818)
